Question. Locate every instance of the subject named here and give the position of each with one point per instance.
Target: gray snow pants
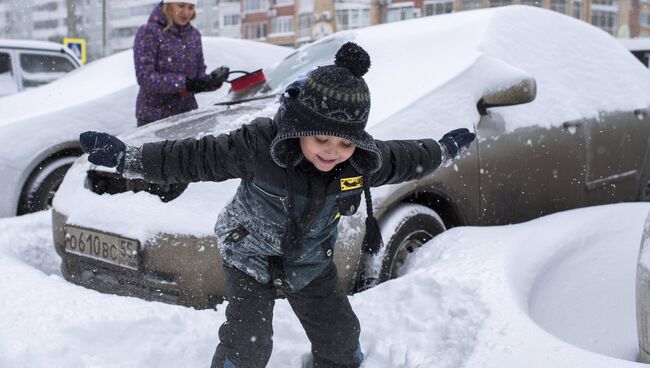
(246, 338)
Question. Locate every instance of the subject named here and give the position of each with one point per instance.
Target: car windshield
(279, 76)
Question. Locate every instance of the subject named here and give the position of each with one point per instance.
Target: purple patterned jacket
(162, 62)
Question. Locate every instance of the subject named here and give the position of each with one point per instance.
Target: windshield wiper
(235, 102)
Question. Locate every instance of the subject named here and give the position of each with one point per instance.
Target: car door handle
(571, 124)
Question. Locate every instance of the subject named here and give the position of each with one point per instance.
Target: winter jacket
(250, 227)
(163, 60)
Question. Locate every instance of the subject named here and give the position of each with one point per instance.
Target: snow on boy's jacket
(250, 226)
(163, 60)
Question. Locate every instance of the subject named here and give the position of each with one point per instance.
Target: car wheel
(39, 191)
(411, 225)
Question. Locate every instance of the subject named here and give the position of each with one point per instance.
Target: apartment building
(107, 26)
(110, 26)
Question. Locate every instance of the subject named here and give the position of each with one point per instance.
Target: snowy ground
(509, 296)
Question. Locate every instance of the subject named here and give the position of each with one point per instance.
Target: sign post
(78, 47)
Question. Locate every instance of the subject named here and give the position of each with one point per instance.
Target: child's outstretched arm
(405, 160)
(210, 158)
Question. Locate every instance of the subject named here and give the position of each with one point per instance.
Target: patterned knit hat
(330, 100)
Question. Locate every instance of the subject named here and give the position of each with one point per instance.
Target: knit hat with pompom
(330, 100)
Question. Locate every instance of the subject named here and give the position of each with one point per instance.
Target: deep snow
(473, 296)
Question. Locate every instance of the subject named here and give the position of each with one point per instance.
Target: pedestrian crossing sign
(78, 47)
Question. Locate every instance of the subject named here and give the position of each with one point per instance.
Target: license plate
(108, 248)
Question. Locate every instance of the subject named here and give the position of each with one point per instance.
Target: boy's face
(326, 151)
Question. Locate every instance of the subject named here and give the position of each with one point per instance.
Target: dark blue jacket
(250, 227)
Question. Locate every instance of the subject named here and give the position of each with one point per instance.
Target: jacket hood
(158, 18)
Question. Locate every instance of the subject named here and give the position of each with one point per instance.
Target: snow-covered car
(27, 64)
(639, 47)
(39, 128)
(555, 130)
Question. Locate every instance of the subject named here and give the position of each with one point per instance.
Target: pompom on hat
(193, 2)
(329, 100)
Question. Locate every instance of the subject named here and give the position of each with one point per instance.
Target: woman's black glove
(197, 85)
(215, 81)
(457, 140)
(103, 149)
(218, 76)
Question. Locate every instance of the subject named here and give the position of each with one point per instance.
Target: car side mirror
(521, 92)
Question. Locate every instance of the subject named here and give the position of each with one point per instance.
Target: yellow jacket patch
(351, 183)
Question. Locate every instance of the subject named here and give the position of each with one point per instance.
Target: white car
(27, 64)
(40, 128)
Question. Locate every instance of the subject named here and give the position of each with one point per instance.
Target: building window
(605, 20)
(282, 24)
(576, 9)
(400, 11)
(603, 15)
(438, 7)
(230, 20)
(46, 24)
(644, 19)
(255, 31)
(255, 5)
(306, 6)
(283, 2)
(51, 6)
(304, 25)
(470, 4)
(352, 18)
(532, 2)
(559, 6)
(497, 3)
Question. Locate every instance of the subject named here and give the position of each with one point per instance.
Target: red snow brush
(247, 80)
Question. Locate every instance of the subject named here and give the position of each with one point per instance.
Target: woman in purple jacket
(169, 63)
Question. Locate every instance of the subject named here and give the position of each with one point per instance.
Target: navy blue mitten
(457, 140)
(103, 149)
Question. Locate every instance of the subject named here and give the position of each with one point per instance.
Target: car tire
(410, 226)
(41, 186)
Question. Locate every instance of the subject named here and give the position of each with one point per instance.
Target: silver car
(555, 131)
(39, 128)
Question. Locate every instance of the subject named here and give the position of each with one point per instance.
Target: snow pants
(246, 337)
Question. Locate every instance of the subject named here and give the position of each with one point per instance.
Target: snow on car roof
(30, 44)
(116, 72)
(452, 60)
(636, 44)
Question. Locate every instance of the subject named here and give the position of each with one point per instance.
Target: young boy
(280, 228)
